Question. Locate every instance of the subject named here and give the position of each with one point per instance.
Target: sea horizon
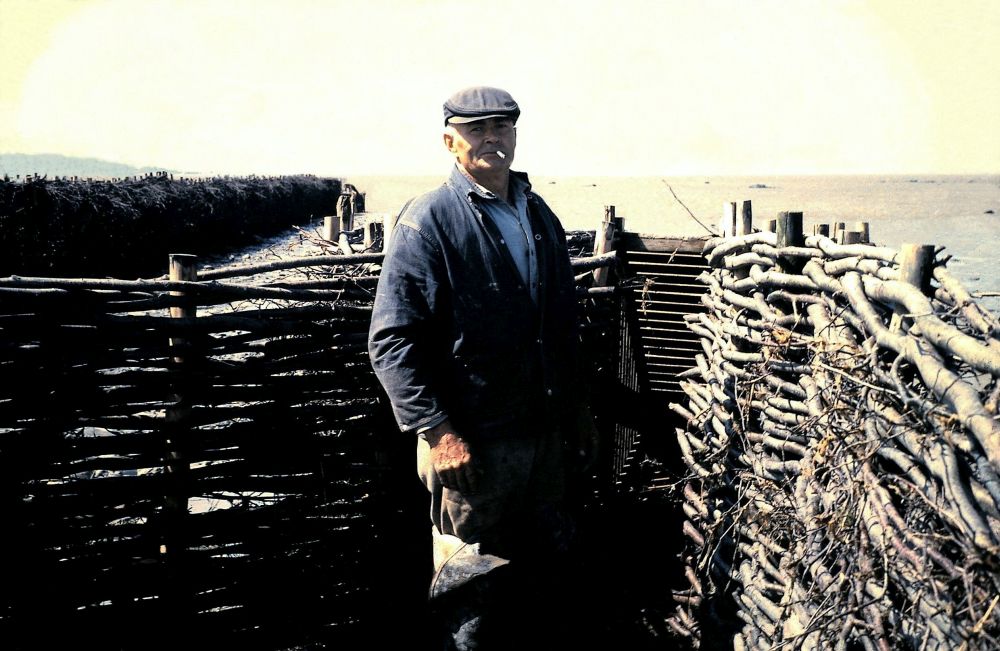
(959, 212)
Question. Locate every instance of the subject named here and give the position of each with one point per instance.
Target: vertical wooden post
(357, 202)
(603, 241)
(373, 233)
(728, 219)
(863, 228)
(789, 231)
(331, 228)
(853, 237)
(838, 232)
(745, 224)
(821, 229)
(346, 211)
(742, 225)
(916, 265)
(182, 267)
(772, 225)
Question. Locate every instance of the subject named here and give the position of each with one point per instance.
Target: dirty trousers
(496, 552)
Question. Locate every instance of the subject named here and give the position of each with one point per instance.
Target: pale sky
(618, 87)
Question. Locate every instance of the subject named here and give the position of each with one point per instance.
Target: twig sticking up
(709, 230)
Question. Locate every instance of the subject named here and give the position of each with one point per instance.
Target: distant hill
(13, 165)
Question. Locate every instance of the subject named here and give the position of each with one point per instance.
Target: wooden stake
(745, 223)
(331, 228)
(853, 237)
(373, 233)
(603, 242)
(821, 229)
(915, 268)
(789, 231)
(182, 267)
(357, 202)
(862, 227)
(772, 225)
(346, 211)
(838, 232)
(728, 225)
(916, 265)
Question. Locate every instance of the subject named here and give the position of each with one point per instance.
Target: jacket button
(538, 237)
(502, 242)
(548, 391)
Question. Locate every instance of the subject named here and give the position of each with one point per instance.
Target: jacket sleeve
(403, 339)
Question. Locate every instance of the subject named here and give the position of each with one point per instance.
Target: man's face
(475, 145)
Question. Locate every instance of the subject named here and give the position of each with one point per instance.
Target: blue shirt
(515, 228)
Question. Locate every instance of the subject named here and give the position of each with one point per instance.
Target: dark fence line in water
(213, 463)
(843, 449)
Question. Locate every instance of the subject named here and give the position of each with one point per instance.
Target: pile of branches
(127, 227)
(843, 452)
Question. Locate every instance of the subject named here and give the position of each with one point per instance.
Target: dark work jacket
(455, 332)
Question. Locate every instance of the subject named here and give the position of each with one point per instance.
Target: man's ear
(449, 140)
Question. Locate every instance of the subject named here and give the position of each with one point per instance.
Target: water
(947, 211)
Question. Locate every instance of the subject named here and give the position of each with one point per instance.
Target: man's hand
(452, 459)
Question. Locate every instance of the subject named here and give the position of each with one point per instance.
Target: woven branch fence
(125, 228)
(210, 460)
(842, 447)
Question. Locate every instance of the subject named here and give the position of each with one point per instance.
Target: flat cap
(479, 103)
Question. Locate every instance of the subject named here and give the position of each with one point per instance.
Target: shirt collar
(467, 185)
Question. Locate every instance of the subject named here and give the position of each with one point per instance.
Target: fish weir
(800, 440)
(841, 441)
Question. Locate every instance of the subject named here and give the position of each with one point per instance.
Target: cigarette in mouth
(501, 154)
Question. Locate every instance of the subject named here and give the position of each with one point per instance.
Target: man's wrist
(434, 434)
(431, 424)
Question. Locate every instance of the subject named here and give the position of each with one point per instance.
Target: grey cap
(480, 103)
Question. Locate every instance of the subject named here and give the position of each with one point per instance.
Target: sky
(615, 87)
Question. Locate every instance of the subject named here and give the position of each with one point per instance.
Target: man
(473, 337)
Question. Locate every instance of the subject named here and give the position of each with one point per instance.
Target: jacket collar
(468, 187)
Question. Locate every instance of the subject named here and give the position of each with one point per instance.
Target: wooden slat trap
(662, 274)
